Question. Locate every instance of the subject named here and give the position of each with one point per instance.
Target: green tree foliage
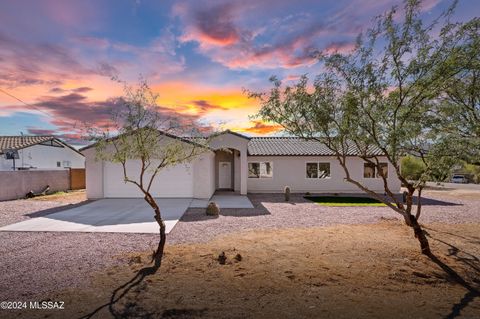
(384, 94)
(459, 111)
(144, 141)
(473, 171)
(412, 168)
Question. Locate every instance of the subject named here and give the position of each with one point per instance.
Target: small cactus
(287, 193)
(213, 209)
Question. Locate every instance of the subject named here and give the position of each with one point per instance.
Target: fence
(77, 178)
(16, 184)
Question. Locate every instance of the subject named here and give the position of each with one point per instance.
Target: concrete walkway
(113, 215)
(224, 201)
(122, 215)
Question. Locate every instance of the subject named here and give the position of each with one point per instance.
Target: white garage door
(175, 181)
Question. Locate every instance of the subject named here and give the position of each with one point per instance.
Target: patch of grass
(58, 193)
(344, 201)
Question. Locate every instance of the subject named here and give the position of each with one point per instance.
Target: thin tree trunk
(158, 254)
(419, 203)
(420, 235)
(409, 203)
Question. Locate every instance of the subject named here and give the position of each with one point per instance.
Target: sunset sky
(59, 56)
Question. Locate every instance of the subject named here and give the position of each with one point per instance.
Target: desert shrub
(412, 167)
(287, 193)
(473, 171)
(213, 209)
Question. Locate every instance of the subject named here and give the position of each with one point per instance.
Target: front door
(224, 175)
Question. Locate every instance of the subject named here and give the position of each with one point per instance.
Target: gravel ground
(34, 264)
(271, 211)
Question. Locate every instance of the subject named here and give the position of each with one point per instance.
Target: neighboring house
(245, 165)
(38, 152)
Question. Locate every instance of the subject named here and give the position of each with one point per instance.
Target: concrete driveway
(113, 215)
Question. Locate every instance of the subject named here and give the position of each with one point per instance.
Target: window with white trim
(371, 171)
(317, 170)
(260, 170)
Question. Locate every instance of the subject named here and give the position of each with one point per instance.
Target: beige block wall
(16, 184)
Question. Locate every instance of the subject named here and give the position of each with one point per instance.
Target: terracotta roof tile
(295, 146)
(19, 142)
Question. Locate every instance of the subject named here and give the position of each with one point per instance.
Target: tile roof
(19, 142)
(295, 146)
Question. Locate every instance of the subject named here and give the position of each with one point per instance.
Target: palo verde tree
(144, 140)
(459, 111)
(380, 100)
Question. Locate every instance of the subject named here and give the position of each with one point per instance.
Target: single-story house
(37, 152)
(246, 165)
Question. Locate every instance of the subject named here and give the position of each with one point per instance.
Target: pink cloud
(153, 60)
(339, 47)
(227, 32)
(224, 33)
(212, 26)
(26, 64)
(71, 113)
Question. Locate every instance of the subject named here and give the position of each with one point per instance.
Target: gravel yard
(34, 264)
(271, 211)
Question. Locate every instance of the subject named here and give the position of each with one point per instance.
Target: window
(312, 170)
(59, 164)
(323, 170)
(260, 170)
(371, 171)
(384, 168)
(66, 164)
(318, 170)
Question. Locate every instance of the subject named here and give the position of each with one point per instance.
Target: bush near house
(412, 167)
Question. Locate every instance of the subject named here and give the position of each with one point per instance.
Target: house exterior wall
(204, 176)
(232, 141)
(44, 157)
(291, 171)
(195, 179)
(93, 174)
(236, 171)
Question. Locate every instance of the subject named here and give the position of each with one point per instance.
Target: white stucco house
(38, 152)
(245, 165)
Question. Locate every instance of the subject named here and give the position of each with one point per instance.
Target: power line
(27, 104)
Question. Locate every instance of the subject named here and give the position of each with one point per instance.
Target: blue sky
(58, 56)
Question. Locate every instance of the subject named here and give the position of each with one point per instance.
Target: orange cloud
(261, 128)
(193, 98)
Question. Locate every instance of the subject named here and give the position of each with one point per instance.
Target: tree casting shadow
(121, 291)
(472, 292)
(131, 309)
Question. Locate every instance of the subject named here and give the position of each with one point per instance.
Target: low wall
(15, 184)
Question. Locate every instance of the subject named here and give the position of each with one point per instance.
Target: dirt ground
(454, 193)
(357, 271)
(64, 197)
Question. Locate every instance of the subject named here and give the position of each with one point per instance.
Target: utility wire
(27, 104)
